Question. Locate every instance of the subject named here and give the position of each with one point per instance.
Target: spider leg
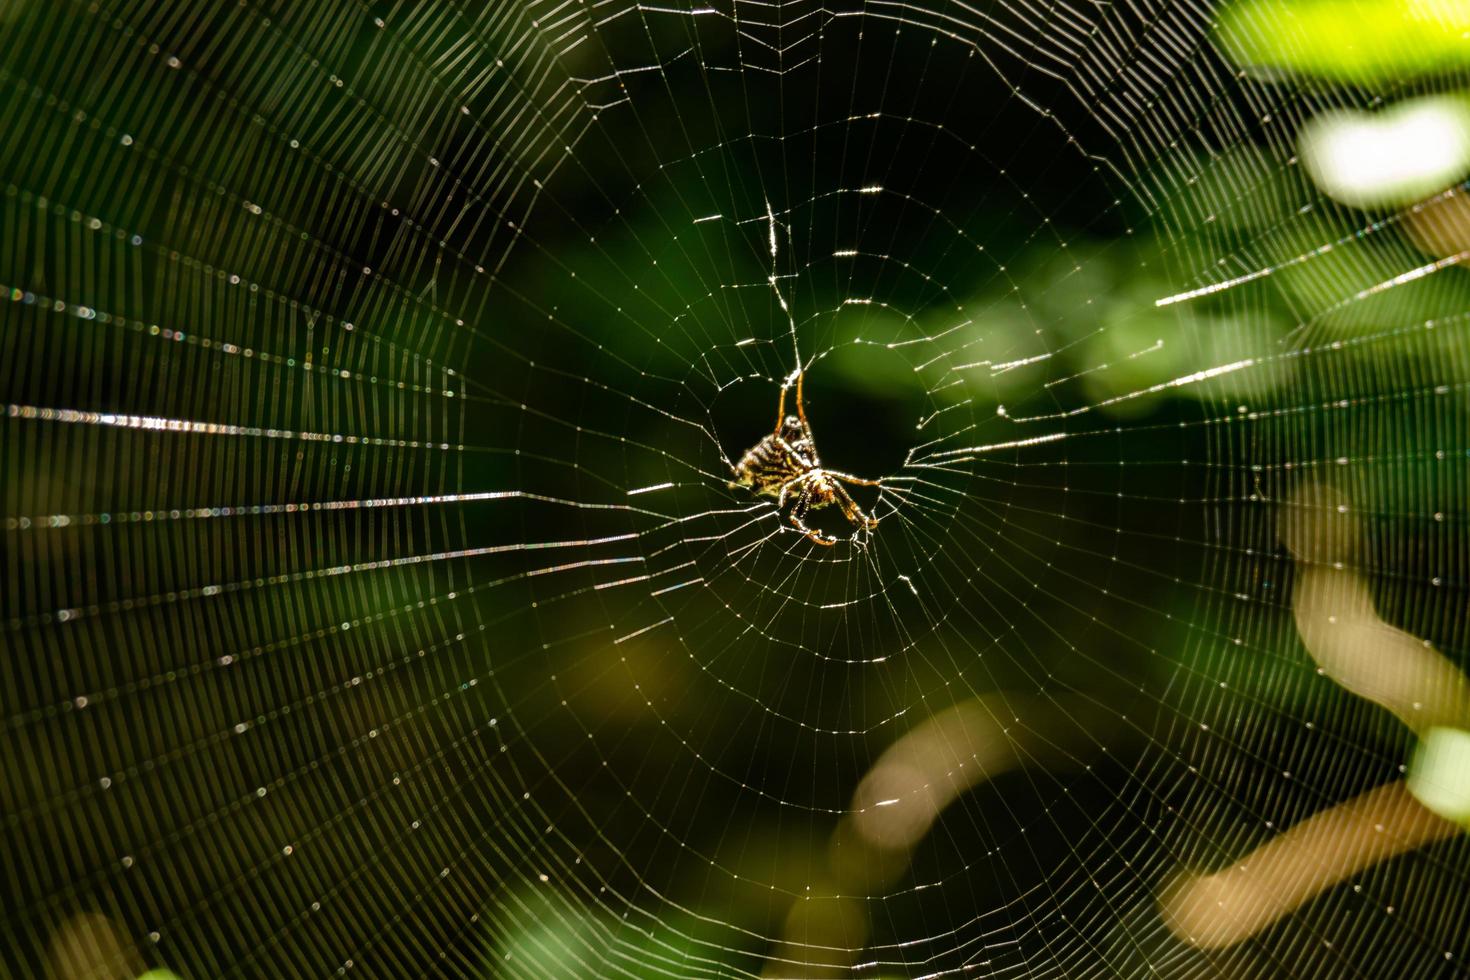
(803, 504)
(786, 489)
(850, 508)
(849, 478)
(800, 401)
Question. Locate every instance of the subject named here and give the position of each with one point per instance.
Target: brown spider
(785, 463)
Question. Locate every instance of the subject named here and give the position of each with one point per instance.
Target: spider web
(377, 599)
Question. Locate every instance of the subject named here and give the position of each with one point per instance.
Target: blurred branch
(1358, 649)
(899, 799)
(1280, 876)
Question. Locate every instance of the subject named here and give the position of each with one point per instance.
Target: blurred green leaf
(1347, 40)
(1439, 773)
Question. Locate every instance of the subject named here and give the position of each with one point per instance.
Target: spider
(785, 464)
